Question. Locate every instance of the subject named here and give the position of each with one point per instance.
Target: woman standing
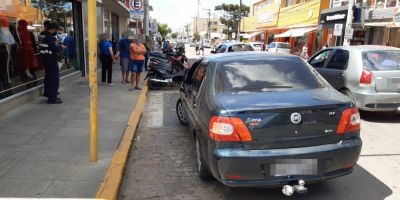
(106, 58)
(137, 51)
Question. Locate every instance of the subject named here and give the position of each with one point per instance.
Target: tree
(196, 36)
(174, 35)
(57, 11)
(164, 30)
(231, 16)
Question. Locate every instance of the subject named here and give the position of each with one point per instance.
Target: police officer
(49, 52)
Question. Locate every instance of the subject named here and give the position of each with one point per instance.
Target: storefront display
(20, 25)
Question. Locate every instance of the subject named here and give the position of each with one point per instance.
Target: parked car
(206, 44)
(258, 122)
(232, 47)
(258, 46)
(368, 75)
(278, 47)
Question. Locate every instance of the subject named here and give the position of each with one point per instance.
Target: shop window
(21, 63)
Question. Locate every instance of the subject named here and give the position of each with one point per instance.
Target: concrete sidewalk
(44, 148)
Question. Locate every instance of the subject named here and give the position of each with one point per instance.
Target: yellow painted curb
(109, 188)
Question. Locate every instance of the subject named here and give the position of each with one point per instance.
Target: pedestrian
(304, 52)
(137, 51)
(123, 52)
(49, 52)
(165, 46)
(106, 59)
(69, 45)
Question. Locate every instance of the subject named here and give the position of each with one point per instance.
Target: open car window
(189, 74)
(198, 76)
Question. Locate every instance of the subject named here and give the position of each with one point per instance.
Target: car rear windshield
(265, 75)
(284, 45)
(381, 60)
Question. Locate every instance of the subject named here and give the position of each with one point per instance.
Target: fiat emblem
(295, 118)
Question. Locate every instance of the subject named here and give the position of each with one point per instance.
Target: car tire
(350, 95)
(181, 113)
(202, 170)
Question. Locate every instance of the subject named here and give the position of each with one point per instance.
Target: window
(381, 60)
(230, 49)
(339, 60)
(386, 4)
(241, 47)
(264, 75)
(222, 49)
(198, 77)
(319, 60)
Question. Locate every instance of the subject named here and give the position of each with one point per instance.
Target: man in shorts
(123, 46)
(137, 52)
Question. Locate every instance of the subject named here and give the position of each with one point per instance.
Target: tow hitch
(288, 190)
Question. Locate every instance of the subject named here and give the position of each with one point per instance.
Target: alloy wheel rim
(181, 113)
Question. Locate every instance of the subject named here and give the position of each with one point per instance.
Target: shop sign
(136, 8)
(349, 33)
(396, 17)
(338, 16)
(267, 16)
(337, 31)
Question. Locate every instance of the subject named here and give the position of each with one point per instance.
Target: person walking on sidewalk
(137, 51)
(106, 59)
(49, 52)
(123, 46)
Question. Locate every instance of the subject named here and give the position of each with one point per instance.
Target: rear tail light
(366, 78)
(350, 121)
(229, 129)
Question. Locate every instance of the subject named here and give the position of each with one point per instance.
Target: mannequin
(27, 54)
(6, 40)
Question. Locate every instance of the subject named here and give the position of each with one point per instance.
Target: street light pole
(349, 21)
(197, 18)
(146, 17)
(209, 23)
(93, 121)
(240, 18)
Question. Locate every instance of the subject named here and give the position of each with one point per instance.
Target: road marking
(154, 111)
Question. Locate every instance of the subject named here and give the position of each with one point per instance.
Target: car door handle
(341, 75)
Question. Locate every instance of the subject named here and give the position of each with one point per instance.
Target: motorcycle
(160, 76)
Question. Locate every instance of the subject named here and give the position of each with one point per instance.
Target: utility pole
(197, 18)
(209, 23)
(146, 17)
(240, 18)
(349, 21)
(93, 121)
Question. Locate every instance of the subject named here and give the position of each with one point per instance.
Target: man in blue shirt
(123, 52)
(106, 59)
(69, 45)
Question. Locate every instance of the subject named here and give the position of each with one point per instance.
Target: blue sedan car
(262, 119)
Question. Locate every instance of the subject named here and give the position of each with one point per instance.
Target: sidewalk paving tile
(20, 188)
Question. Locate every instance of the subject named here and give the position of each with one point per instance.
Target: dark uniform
(49, 52)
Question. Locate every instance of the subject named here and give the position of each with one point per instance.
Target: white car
(258, 46)
(278, 47)
(232, 47)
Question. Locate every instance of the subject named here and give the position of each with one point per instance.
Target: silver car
(232, 47)
(369, 75)
(278, 47)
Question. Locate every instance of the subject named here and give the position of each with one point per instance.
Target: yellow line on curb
(109, 188)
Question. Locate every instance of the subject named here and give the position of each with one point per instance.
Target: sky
(177, 13)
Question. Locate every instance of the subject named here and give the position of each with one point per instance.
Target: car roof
(233, 43)
(235, 56)
(365, 47)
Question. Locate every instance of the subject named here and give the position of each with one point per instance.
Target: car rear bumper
(254, 168)
(378, 101)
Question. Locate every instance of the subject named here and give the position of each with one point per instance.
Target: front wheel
(181, 113)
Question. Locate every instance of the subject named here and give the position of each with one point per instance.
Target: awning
(251, 35)
(116, 7)
(296, 32)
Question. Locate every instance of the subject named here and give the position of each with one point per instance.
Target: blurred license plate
(285, 167)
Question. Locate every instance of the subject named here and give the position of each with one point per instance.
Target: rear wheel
(181, 112)
(350, 95)
(202, 170)
(151, 84)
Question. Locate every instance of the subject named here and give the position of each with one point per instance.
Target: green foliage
(174, 35)
(231, 16)
(164, 30)
(196, 36)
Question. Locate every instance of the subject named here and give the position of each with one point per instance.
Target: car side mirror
(213, 51)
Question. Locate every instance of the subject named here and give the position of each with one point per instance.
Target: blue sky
(177, 13)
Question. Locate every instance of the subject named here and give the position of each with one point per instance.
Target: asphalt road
(162, 162)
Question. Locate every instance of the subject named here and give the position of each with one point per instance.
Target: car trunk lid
(387, 81)
(273, 118)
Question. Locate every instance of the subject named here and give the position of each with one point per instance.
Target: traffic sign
(337, 31)
(136, 8)
(349, 33)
